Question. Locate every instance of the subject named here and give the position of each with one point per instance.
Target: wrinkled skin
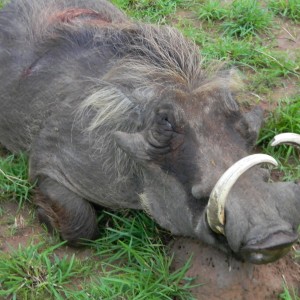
(163, 153)
(259, 214)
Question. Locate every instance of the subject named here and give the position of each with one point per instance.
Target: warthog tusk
(218, 196)
(290, 138)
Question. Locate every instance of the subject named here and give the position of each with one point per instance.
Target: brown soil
(22, 228)
(222, 277)
(288, 37)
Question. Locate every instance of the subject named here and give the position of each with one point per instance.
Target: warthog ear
(158, 139)
(254, 119)
(132, 143)
(142, 145)
(250, 124)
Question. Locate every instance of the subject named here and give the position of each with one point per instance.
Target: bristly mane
(157, 53)
(149, 59)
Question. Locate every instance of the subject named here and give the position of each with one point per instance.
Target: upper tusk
(218, 196)
(291, 138)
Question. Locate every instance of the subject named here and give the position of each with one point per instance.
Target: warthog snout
(273, 247)
(261, 244)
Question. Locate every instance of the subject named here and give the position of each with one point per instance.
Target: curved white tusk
(290, 138)
(218, 196)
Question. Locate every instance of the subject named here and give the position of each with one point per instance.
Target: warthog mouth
(271, 248)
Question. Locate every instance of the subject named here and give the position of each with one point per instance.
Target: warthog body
(123, 115)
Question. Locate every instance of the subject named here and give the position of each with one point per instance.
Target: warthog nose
(269, 249)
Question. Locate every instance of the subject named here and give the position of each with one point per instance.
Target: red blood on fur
(86, 15)
(26, 72)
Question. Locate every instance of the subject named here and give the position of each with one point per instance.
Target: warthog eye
(164, 121)
(164, 118)
(168, 124)
(163, 134)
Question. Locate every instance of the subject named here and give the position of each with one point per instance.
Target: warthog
(123, 115)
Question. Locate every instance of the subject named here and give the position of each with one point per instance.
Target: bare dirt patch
(223, 277)
(17, 227)
(288, 37)
(21, 227)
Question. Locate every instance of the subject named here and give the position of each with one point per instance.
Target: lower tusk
(216, 204)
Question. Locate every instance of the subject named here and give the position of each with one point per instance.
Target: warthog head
(244, 211)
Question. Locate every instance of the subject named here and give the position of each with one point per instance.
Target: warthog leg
(62, 210)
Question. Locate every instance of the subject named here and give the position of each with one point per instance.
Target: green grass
(129, 261)
(264, 64)
(212, 10)
(286, 8)
(288, 294)
(245, 18)
(136, 263)
(35, 272)
(14, 183)
(149, 10)
(239, 18)
(285, 118)
(249, 53)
